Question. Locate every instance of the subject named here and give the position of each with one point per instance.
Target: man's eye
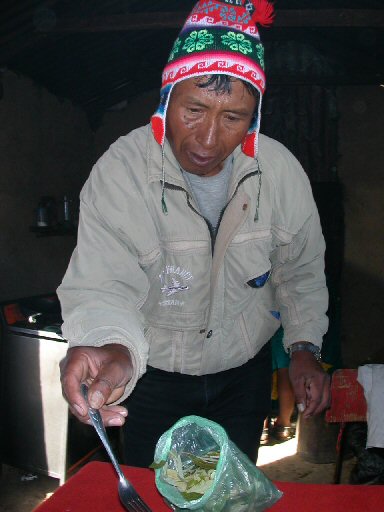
(193, 110)
(232, 118)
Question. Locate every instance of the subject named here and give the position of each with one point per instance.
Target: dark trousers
(238, 399)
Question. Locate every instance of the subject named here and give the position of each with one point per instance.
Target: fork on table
(127, 493)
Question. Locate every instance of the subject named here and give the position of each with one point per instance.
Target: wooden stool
(347, 405)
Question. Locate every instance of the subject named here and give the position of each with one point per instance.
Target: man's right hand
(106, 370)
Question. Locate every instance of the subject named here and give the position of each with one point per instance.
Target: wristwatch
(309, 347)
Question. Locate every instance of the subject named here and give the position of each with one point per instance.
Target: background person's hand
(310, 383)
(106, 370)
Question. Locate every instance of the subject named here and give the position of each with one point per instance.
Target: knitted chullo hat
(218, 37)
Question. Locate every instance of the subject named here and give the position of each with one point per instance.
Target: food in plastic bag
(199, 468)
(194, 479)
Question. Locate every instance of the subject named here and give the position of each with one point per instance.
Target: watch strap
(308, 347)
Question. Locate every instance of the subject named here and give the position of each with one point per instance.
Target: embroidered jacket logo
(174, 280)
(173, 288)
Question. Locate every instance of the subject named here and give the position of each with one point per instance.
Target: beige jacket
(148, 280)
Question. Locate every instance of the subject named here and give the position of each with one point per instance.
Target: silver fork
(127, 493)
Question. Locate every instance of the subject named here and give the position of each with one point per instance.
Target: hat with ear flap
(218, 37)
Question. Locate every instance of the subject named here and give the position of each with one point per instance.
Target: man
(192, 234)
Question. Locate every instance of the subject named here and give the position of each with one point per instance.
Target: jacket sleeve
(104, 286)
(298, 275)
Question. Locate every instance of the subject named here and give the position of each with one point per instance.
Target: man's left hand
(311, 384)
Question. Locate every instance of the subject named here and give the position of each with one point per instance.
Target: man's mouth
(201, 160)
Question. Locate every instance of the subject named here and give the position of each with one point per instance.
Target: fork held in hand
(127, 493)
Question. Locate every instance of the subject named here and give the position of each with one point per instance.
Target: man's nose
(208, 133)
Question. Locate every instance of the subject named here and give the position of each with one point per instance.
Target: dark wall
(46, 148)
(305, 119)
(361, 171)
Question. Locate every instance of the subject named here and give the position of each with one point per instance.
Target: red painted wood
(94, 489)
(347, 398)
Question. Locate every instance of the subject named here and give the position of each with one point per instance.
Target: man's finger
(300, 394)
(318, 396)
(300, 407)
(113, 415)
(104, 389)
(71, 393)
(325, 395)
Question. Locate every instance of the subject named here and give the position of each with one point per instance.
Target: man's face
(204, 126)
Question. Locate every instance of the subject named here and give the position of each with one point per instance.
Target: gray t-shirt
(211, 192)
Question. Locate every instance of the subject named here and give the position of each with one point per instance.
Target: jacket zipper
(212, 232)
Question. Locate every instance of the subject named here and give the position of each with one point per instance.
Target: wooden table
(94, 488)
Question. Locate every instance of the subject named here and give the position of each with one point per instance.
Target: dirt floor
(20, 492)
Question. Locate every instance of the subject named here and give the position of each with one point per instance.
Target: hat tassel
(264, 13)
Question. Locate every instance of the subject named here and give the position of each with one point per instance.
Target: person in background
(280, 427)
(192, 231)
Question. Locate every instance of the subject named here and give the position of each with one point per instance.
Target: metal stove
(35, 424)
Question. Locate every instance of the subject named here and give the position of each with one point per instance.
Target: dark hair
(223, 84)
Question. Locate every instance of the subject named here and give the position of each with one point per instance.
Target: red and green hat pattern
(218, 37)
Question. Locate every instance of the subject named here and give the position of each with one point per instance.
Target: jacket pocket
(259, 281)
(258, 326)
(247, 267)
(179, 294)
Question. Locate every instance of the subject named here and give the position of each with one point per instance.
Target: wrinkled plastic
(239, 486)
(369, 467)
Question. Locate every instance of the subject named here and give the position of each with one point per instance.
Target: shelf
(58, 230)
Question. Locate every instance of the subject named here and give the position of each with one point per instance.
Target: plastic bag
(237, 486)
(369, 469)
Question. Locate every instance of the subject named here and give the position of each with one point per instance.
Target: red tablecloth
(94, 488)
